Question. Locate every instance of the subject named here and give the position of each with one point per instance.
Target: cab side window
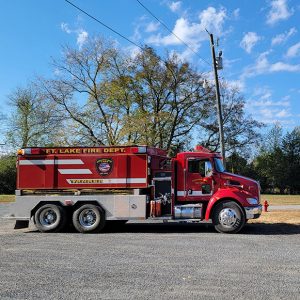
(202, 167)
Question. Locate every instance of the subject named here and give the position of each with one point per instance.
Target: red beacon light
(139, 149)
(199, 148)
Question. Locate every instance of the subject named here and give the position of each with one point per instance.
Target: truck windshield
(219, 165)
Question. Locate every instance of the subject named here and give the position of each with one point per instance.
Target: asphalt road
(151, 261)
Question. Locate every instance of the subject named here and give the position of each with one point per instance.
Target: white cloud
(152, 26)
(236, 13)
(266, 103)
(228, 63)
(212, 20)
(279, 11)
(270, 115)
(293, 50)
(283, 114)
(236, 84)
(268, 111)
(81, 34)
(264, 95)
(249, 41)
(280, 66)
(82, 37)
(65, 27)
(263, 66)
(132, 50)
(193, 33)
(283, 37)
(175, 6)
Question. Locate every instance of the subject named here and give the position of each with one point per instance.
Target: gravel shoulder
(147, 261)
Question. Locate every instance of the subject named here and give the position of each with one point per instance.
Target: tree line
(102, 95)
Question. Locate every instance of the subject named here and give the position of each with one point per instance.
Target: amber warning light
(28, 151)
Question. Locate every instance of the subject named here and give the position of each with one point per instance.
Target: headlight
(252, 201)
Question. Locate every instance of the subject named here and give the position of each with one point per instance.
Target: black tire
(50, 218)
(88, 218)
(228, 217)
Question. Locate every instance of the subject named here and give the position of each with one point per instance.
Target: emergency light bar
(139, 149)
(29, 151)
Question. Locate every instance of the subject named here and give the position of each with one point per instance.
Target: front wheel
(88, 218)
(228, 217)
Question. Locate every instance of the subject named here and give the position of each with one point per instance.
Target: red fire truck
(91, 186)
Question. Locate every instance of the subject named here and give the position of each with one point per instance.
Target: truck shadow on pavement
(271, 229)
(174, 228)
(249, 229)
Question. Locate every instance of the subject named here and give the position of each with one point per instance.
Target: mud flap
(21, 224)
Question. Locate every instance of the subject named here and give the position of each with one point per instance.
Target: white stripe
(136, 180)
(195, 193)
(69, 162)
(35, 162)
(108, 180)
(75, 171)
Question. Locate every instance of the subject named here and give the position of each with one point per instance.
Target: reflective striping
(107, 181)
(36, 162)
(194, 194)
(136, 180)
(75, 171)
(69, 162)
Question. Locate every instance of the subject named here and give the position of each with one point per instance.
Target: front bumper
(253, 212)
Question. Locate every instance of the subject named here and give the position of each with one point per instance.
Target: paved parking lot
(151, 261)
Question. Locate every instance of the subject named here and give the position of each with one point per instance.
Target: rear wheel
(228, 217)
(88, 218)
(50, 218)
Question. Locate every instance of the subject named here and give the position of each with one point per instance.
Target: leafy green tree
(271, 167)
(33, 121)
(76, 90)
(7, 174)
(291, 150)
(239, 165)
(170, 100)
(114, 98)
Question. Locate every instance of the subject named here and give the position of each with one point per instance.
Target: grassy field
(279, 216)
(281, 199)
(7, 198)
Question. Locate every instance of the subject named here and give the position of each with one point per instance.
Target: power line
(108, 27)
(169, 30)
(119, 34)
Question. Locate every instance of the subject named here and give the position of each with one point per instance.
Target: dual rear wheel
(88, 218)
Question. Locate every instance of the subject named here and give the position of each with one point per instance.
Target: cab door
(199, 181)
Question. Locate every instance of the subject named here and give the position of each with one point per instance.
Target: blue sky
(260, 40)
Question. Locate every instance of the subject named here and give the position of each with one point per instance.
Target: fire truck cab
(90, 186)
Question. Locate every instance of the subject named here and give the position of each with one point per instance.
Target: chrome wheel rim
(87, 217)
(228, 217)
(48, 217)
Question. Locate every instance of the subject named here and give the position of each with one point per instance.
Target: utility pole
(218, 99)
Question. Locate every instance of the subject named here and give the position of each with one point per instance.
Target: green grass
(281, 199)
(7, 198)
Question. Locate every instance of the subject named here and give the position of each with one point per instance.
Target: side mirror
(208, 169)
